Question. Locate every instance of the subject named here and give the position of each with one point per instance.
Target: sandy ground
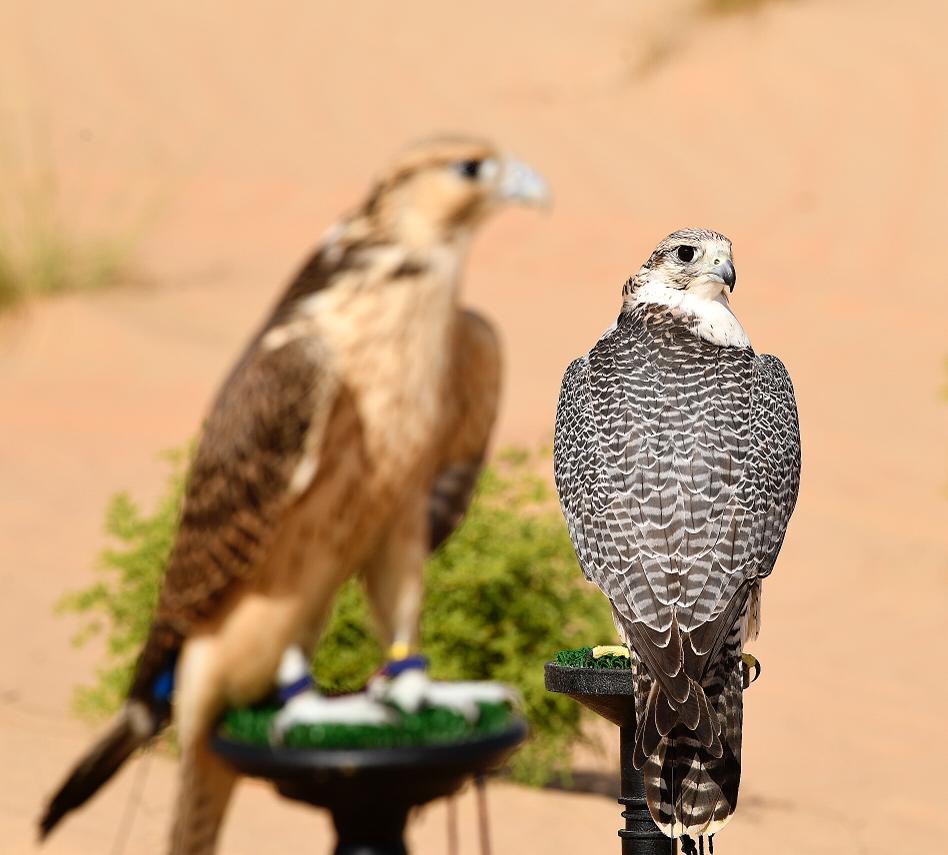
(812, 133)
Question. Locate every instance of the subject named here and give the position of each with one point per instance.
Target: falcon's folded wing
(258, 452)
(474, 396)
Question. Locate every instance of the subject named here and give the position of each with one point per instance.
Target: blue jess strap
(409, 663)
(297, 687)
(163, 687)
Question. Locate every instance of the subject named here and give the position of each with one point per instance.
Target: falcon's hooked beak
(522, 183)
(724, 270)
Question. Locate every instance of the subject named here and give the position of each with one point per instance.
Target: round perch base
(608, 692)
(369, 791)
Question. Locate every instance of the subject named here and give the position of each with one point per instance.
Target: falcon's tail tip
(135, 725)
(690, 771)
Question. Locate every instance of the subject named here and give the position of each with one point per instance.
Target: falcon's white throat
(713, 319)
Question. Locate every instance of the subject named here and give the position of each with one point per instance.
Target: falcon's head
(691, 272)
(440, 189)
(694, 261)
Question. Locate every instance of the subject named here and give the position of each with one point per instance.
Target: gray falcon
(677, 461)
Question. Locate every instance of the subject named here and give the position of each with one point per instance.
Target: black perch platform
(608, 692)
(370, 791)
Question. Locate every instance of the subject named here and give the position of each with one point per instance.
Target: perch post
(608, 692)
(370, 791)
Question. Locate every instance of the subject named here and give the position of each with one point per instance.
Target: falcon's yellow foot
(399, 650)
(611, 650)
(750, 666)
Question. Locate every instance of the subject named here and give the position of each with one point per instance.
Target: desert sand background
(226, 136)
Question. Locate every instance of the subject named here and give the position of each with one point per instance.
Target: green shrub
(122, 602)
(502, 596)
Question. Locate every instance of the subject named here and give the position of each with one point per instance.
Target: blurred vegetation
(42, 249)
(120, 605)
(732, 7)
(502, 596)
(655, 49)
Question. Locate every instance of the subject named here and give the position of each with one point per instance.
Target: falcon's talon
(412, 690)
(750, 664)
(310, 707)
(610, 650)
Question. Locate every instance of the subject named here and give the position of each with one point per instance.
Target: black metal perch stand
(608, 692)
(370, 791)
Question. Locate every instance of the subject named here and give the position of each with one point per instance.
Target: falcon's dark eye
(685, 253)
(468, 168)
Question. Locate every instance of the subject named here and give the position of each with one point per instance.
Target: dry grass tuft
(41, 254)
(734, 7)
(45, 246)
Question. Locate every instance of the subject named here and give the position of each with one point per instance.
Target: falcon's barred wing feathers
(772, 481)
(676, 493)
(577, 460)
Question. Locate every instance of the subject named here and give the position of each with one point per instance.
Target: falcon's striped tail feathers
(689, 752)
(135, 725)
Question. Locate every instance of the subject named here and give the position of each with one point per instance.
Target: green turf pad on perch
(430, 726)
(582, 657)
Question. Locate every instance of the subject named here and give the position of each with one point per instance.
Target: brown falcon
(346, 440)
(677, 458)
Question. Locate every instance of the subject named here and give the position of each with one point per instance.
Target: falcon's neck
(709, 318)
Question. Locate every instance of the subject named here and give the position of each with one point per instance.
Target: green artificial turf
(582, 657)
(427, 727)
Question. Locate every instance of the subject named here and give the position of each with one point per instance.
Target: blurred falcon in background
(347, 440)
(677, 462)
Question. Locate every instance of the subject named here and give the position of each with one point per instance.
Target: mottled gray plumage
(677, 463)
